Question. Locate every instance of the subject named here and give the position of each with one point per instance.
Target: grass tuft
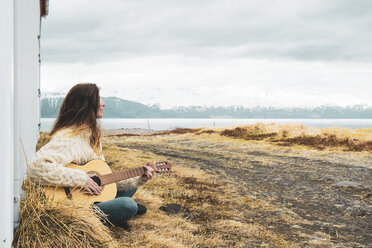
(44, 223)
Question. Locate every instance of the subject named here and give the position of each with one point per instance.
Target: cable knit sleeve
(48, 165)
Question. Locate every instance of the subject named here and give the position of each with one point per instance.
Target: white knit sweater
(48, 165)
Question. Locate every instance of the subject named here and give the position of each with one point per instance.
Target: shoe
(125, 225)
(141, 209)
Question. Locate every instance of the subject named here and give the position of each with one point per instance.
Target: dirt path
(328, 194)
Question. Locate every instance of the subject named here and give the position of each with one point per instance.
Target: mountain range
(120, 108)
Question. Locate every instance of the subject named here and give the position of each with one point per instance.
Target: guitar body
(95, 166)
(104, 178)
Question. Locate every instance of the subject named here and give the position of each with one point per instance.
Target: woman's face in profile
(100, 108)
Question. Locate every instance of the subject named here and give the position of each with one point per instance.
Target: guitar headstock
(161, 167)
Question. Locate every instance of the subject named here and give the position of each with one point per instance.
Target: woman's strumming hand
(91, 187)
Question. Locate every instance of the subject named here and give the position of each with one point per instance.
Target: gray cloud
(89, 31)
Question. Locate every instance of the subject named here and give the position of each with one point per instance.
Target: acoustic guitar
(105, 178)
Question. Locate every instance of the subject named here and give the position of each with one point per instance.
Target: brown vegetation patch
(326, 141)
(318, 138)
(247, 133)
(208, 131)
(185, 130)
(124, 134)
(177, 131)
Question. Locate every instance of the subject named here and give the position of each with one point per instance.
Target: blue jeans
(120, 209)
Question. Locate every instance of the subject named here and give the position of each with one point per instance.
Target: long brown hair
(79, 110)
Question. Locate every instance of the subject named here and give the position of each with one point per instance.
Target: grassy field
(250, 186)
(218, 212)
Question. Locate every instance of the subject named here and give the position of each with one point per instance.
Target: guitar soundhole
(97, 180)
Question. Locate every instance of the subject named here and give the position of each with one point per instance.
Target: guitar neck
(121, 175)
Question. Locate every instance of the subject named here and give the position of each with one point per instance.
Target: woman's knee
(128, 206)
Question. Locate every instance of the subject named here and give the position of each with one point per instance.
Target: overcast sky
(248, 52)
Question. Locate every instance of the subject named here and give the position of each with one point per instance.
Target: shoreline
(138, 131)
(171, 124)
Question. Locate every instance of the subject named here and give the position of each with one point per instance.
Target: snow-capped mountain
(120, 108)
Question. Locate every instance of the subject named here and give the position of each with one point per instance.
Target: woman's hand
(149, 172)
(91, 187)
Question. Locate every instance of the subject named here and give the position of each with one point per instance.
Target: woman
(76, 139)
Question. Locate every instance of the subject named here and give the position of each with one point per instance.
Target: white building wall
(19, 103)
(6, 122)
(26, 86)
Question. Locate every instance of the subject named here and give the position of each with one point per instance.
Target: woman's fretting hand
(91, 187)
(149, 172)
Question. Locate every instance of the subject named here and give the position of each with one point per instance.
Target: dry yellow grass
(218, 213)
(224, 218)
(45, 224)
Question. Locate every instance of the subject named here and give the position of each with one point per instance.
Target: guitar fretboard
(121, 175)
